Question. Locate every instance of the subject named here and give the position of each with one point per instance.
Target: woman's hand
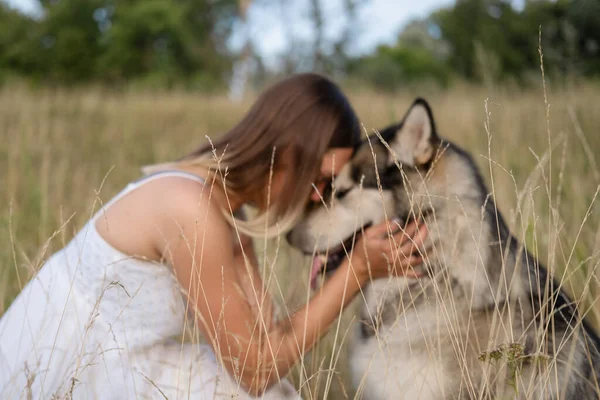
(377, 254)
(197, 242)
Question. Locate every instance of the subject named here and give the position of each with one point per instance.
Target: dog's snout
(295, 237)
(289, 236)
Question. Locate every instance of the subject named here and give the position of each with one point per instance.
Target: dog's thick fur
(485, 320)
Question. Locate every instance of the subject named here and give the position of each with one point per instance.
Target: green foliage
(146, 37)
(393, 67)
(479, 29)
(585, 15)
(68, 42)
(113, 42)
(168, 43)
(489, 41)
(17, 37)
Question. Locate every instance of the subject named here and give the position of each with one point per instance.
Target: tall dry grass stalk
(63, 151)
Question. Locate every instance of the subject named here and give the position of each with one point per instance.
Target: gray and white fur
(486, 320)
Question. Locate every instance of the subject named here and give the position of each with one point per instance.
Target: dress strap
(143, 180)
(162, 174)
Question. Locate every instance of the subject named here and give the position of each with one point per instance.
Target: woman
(97, 319)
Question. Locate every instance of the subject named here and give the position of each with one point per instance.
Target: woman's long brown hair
(296, 121)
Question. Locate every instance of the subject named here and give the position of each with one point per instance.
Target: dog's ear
(413, 143)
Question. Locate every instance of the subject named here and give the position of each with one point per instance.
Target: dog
(484, 319)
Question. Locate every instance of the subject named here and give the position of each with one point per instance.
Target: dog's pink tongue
(314, 272)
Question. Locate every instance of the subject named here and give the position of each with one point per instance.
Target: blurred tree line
(170, 42)
(489, 41)
(112, 41)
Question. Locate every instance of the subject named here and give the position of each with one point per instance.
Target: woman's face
(333, 162)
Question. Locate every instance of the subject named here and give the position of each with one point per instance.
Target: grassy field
(63, 150)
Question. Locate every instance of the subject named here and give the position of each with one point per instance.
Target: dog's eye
(340, 193)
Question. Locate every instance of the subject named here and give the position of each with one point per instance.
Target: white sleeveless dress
(95, 323)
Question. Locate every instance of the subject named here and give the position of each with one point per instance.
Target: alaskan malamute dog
(484, 320)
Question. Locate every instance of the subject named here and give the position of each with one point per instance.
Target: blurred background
(91, 90)
(239, 44)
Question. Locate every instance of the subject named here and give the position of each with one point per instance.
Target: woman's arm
(256, 353)
(251, 280)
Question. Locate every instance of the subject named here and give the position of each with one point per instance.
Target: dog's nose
(288, 237)
(294, 239)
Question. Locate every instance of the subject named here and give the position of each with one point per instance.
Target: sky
(379, 22)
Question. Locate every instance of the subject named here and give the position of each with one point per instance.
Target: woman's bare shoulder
(183, 200)
(157, 212)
